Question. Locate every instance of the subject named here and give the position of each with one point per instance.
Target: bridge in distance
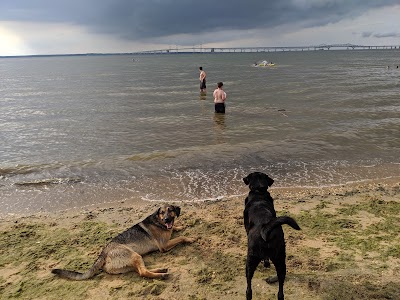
(200, 49)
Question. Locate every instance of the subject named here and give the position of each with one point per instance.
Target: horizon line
(200, 49)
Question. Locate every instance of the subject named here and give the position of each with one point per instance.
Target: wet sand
(348, 248)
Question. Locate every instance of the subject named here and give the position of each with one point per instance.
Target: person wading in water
(219, 99)
(202, 80)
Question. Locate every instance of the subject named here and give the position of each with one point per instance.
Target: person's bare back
(202, 78)
(219, 94)
(219, 99)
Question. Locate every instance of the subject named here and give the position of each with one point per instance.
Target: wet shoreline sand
(348, 248)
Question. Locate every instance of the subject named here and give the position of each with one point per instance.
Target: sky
(41, 27)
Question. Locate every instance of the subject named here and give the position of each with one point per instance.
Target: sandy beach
(348, 248)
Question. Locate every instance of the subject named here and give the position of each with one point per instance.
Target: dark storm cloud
(380, 35)
(386, 35)
(138, 19)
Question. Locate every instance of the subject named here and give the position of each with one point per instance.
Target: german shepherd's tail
(279, 221)
(98, 264)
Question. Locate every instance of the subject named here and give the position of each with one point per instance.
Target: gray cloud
(366, 34)
(380, 35)
(386, 35)
(142, 19)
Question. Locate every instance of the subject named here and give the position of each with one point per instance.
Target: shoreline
(127, 201)
(348, 245)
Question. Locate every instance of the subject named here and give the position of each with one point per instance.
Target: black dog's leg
(271, 279)
(281, 278)
(280, 267)
(251, 265)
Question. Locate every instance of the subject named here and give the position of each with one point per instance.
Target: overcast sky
(70, 26)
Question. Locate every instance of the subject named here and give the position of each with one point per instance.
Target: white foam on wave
(213, 199)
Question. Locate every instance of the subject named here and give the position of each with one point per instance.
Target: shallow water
(79, 131)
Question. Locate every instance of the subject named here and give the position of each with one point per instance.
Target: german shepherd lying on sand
(124, 252)
(264, 231)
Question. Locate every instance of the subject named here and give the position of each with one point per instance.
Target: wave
(45, 168)
(18, 170)
(156, 155)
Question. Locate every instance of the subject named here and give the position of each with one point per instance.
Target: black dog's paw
(272, 279)
(267, 263)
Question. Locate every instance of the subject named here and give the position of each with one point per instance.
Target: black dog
(264, 231)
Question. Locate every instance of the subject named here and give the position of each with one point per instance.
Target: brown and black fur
(124, 252)
(264, 231)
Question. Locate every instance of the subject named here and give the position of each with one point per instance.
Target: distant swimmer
(202, 80)
(219, 98)
(264, 63)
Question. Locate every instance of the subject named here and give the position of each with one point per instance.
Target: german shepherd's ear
(158, 211)
(177, 210)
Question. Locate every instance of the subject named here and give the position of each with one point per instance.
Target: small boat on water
(264, 63)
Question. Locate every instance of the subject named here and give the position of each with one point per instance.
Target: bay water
(78, 131)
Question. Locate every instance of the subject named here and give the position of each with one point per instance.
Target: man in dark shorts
(219, 98)
(202, 80)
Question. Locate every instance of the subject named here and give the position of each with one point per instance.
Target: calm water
(79, 131)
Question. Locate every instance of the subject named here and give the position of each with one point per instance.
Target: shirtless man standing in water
(202, 80)
(219, 99)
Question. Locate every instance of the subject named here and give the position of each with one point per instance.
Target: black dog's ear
(246, 180)
(270, 181)
(177, 210)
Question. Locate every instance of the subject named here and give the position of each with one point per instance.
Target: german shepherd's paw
(178, 228)
(165, 276)
(190, 240)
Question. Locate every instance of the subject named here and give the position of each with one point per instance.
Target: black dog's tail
(99, 263)
(279, 221)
